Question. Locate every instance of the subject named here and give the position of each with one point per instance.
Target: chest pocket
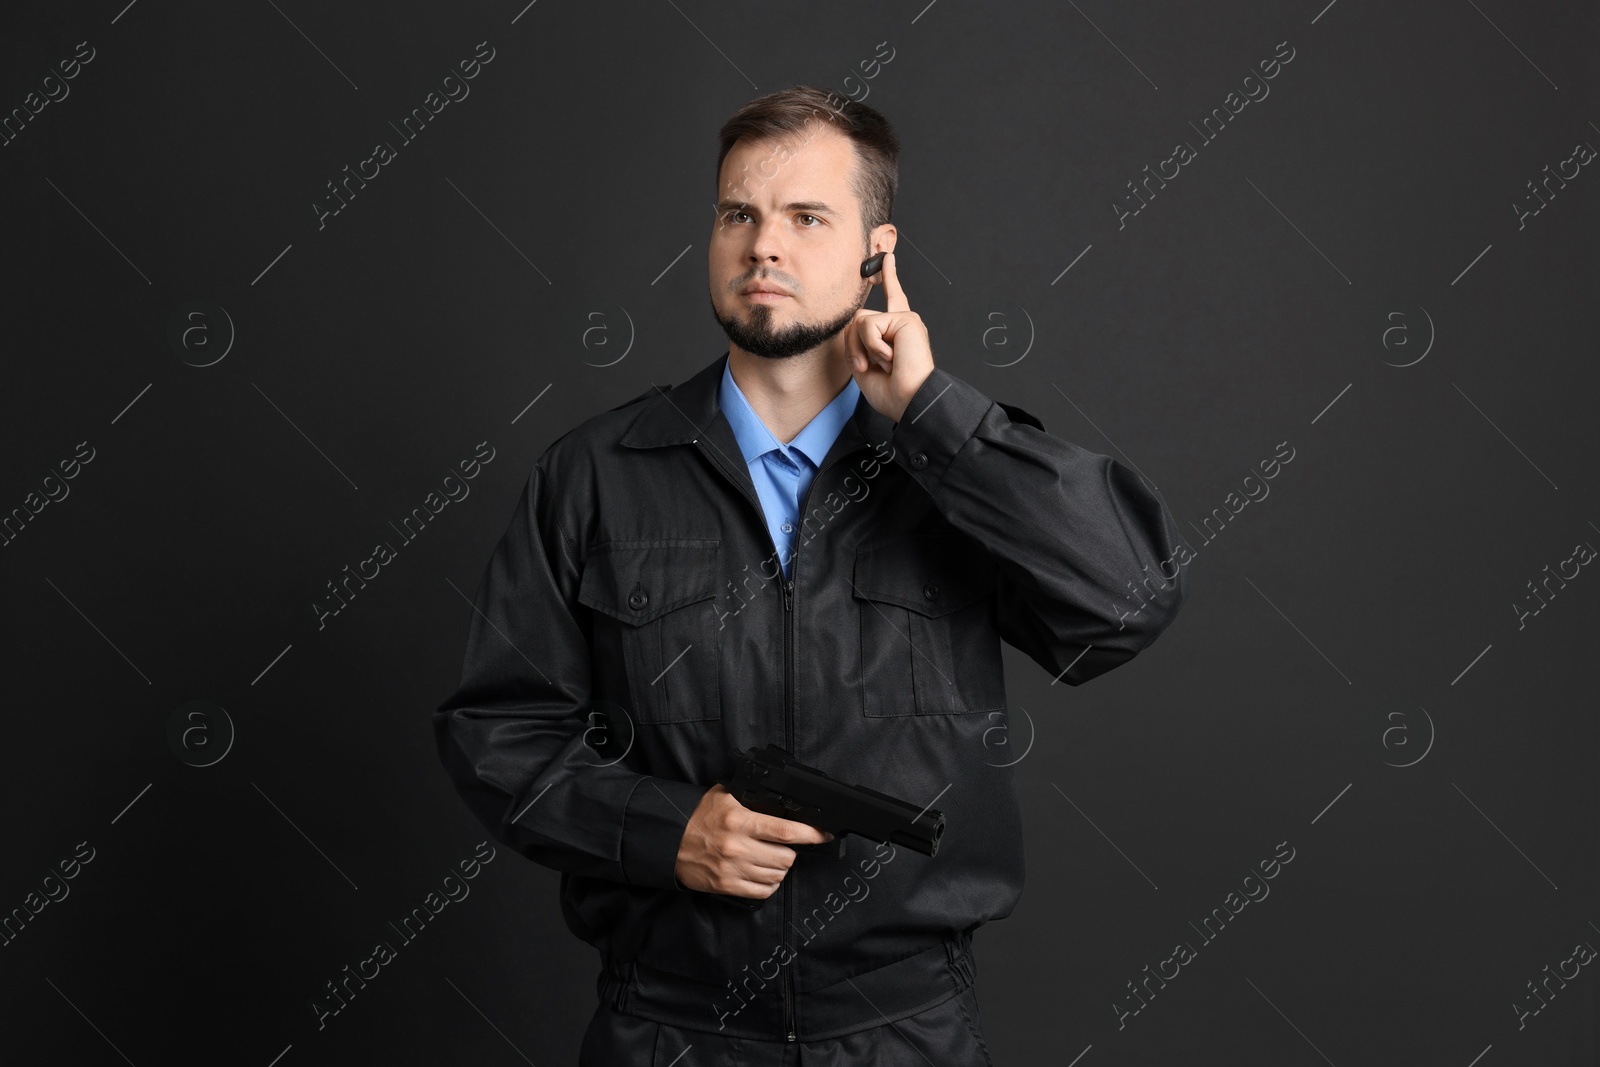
(656, 616)
(929, 645)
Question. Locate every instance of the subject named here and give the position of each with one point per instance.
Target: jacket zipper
(788, 736)
(788, 732)
(788, 709)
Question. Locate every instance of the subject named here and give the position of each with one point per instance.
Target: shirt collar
(755, 440)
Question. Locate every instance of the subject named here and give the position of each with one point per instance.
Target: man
(818, 541)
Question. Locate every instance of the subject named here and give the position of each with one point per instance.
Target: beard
(757, 334)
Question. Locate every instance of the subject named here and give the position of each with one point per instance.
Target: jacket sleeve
(1087, 574)
(512, 734)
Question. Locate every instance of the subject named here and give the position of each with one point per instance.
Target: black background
(1358, 617)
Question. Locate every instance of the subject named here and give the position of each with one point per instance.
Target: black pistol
(773, 782)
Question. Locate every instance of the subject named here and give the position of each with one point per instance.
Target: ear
(883, 238)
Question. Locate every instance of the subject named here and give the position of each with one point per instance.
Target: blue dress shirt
(782, 472)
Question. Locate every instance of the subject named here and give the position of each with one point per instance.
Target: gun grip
(834, 848)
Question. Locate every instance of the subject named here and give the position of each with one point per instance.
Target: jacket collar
(681, 415)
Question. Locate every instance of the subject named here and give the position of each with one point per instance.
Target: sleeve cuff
(941, 418)
(653, 823)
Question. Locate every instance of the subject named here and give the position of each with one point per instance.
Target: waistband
(872, 998)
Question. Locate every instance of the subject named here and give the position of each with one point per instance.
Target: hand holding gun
(773, 782)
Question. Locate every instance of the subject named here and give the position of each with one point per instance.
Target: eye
(728, 215)
(808, 217)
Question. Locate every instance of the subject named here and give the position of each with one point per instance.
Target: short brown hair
(789, 112)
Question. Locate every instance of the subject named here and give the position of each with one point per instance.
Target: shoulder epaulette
(643, 396)
(1016, 414)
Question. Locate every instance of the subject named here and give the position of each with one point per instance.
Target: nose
(767, 244)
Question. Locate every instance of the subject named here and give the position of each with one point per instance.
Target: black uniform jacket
(632, 632)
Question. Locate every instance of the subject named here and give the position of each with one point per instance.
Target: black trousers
(949, 1034)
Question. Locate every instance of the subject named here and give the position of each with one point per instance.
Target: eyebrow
(816, 206)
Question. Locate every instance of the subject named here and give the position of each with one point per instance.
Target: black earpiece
(872, 266)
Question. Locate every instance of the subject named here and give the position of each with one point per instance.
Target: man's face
(786, 218)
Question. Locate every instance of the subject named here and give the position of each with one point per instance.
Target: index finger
(786, 831)
(894, 297)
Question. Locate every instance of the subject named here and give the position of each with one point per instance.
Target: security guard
(819, 540)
